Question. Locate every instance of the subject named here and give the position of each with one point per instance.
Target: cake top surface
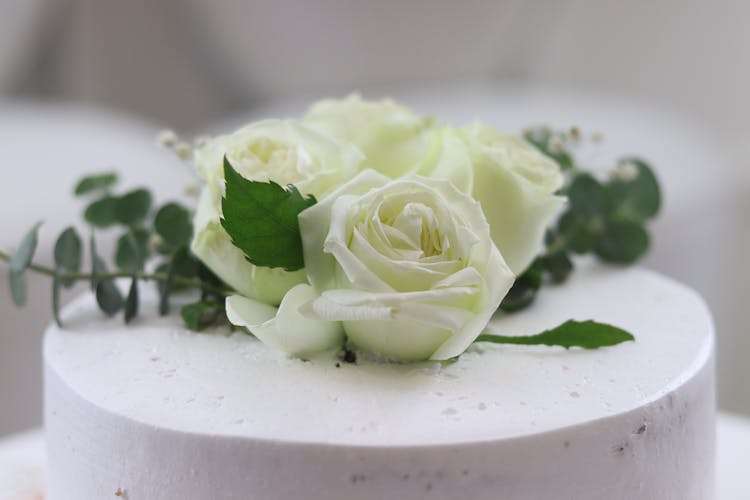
(156, 372)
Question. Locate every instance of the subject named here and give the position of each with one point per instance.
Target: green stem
(177, 280)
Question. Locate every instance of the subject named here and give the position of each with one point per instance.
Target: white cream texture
(164, 413)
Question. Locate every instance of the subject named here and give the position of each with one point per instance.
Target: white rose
(406, 266)
(516, 186)
(513, 181)
(394, 140)
(283, 151)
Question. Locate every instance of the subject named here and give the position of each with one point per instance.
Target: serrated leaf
(173, 224)
(102, 212)
(18, 289)
(202, 314)
(68, 254)
(132, 207)
(638, 197)
(95, 182)
(261, 219)
(622, 242)
(585, 334)
(131, 302)
(56, 283)
(108, 297)
(132, 250)
(25, 252)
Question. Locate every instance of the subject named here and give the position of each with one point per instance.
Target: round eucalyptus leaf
(173, 224)
(131, 302)
(133, 206)
(25, 252)
(68, 248)
(622, 242)
(95, 182)
(132, 250)
(634, 191)
(558, 265)
(108, 297)
(18, 289)
(588, 198)
(102, 212)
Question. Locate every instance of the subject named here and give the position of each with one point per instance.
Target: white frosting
(164, 413)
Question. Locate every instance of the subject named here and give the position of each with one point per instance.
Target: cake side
(661, 451)
(231, 418)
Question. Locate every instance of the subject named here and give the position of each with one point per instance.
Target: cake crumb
(119, 492)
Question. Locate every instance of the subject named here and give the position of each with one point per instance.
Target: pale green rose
(283, 151)
(394, 140)
(406, 266)
(516, 186)
(513, 181)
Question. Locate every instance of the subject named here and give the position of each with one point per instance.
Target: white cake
(152, 411)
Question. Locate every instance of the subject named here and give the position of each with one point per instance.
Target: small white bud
(192, 189)
(183, 150)
(555, 144)
(625, 172)
(166, 138)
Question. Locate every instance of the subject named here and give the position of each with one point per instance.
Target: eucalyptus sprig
(606, 218)
(146, 235)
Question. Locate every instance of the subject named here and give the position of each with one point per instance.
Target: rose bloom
(403, 268)
(283, 151)
(511, 179)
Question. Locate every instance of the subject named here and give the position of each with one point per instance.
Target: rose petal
(286, 328)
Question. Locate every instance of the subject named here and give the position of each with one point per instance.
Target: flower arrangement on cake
(363, 227)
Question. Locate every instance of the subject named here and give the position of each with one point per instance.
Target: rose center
(264, 160)
(417, 229)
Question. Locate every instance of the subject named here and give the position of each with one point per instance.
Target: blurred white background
(668, 80)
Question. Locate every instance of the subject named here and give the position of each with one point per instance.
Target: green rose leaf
(131, 302)
(132, 250)
(585, 334)
(622, 242)
(201, 314)
(261, 219)
(108, 297)
(173, 224)
(68, 249)
(95, 182)
(102, 212)
(18, 288)
(634, 190)
(133, 206)
(25, 252)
